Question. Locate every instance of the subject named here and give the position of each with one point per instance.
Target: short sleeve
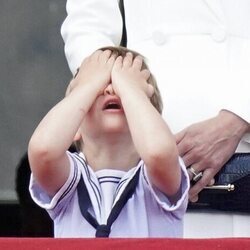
(52, 204)
(180, 206)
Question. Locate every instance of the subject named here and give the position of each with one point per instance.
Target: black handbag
(231, 191)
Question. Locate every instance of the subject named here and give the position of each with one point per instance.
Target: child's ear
(77, 136)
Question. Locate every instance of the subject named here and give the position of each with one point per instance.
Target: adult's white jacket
(198, 50)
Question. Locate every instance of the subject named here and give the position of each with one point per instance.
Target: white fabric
(108, 180)
(199, 51)
(216, 225)
(148, 213)
(103, 16)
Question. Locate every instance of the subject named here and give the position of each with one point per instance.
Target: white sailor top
(85, 203)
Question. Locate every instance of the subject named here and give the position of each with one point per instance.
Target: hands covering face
(95, 70)
(127, 73)
(117, 74)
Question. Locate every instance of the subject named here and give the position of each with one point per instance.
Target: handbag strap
(85, 204)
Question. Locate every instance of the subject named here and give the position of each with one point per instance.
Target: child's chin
(115, 125)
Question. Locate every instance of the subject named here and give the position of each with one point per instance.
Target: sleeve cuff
(163, 200)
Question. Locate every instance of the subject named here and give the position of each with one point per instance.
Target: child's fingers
(146, 74)
(118, 63)
(137, 63)
(128, 59)
(150, 90)
(84, 62)
(96, 54)
(112, 59)
(105, 55)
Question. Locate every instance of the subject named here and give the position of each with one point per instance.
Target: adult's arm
(90, 25)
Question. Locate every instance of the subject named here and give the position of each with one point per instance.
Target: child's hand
(127, 73)
(95, 70)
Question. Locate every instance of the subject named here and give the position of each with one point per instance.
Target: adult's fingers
(195, 198)
(184, 144)
(179, 136)
(199, 185)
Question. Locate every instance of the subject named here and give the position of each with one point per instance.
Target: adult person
(199, 51)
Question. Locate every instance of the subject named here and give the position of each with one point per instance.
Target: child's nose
(109, 90)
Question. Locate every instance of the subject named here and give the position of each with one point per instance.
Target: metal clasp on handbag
(229, 187)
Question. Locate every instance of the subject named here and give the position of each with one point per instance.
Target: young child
(127, 179)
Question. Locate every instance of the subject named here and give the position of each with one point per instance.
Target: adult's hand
(208, 145)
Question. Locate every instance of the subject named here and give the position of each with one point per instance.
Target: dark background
(34, 74)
